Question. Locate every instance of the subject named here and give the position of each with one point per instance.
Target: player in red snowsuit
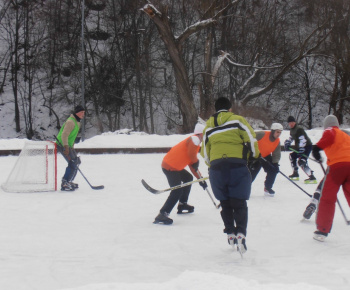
(336, 145)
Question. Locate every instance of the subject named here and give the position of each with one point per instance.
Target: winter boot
(269, 192)
(241, 246)
(232, 241)
(163, 218)
(66, 186)
(294, 176)
(320, 236)
(310, 209)
(183, 206)
(74, 185)
(311, 179)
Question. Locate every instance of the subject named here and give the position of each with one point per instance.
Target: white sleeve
(195, 140)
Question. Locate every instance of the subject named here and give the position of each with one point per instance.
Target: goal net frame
(35, 169)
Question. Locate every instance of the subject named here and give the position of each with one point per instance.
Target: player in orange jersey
(336, 145)
(270, 150)
(173, 165)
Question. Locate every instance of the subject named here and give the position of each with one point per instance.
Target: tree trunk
(187, 107)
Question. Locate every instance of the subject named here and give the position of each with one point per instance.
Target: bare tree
(174, 47)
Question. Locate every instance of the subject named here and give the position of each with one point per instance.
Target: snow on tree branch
(151, 11)
(194, 28)
(218, 64)
(203, 24)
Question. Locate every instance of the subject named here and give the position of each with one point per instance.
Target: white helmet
(276, 126)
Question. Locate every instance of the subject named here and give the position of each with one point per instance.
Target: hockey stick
(77, 167)
(156, 191)
(212, 199)
(340, 207)
(286, 177)
(291, 149)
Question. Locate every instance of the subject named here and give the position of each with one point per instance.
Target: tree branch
(204, 23)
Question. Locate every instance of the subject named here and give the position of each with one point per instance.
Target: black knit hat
(222, 103)
(290, 119)
(78, 109)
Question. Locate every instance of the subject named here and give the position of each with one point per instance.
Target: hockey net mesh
(35, 169)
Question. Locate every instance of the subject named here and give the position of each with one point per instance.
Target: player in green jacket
(228, 142)
(65, 141)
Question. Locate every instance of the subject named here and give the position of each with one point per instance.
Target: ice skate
(269, 192)
(74, 185)
(311, 180)
(310, 209)
(241, 245)
(320, 236)
(163, 218)
(232, 241)
(294, 176)
(66, 186)
(184, 208)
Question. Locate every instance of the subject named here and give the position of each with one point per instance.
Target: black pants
(180, 194)
(270, 168)
(234, 214)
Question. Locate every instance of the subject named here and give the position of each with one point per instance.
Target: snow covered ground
(105, 240)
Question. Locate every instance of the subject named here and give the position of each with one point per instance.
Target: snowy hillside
(105, 240)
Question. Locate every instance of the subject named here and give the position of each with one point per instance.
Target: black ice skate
(310, 209)
(311, 180)
(269, 192)
(163, 218)
(74, 185)
(66, 186)
(294, 176)
(184, 208)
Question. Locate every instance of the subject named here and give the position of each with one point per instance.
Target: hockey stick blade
(93, 187)
(156, 191)
(98, 187)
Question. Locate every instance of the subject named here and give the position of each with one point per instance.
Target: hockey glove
(287, 144)
(77, 161)
(316, 153)
(276, 165)
(203, 184)
(253, 164)
(66, 150)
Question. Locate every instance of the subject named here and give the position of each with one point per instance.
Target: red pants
(338, 175)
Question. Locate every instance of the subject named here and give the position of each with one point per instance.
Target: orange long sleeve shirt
(182, 154)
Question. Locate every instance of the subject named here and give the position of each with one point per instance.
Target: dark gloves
(276, 165)
(203, 184)
(253, 164)
(74, 163)
(316, 153)
(287, 144)
(77, 161)
(195, 165)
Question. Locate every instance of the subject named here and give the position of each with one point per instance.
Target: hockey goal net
(35, 169)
